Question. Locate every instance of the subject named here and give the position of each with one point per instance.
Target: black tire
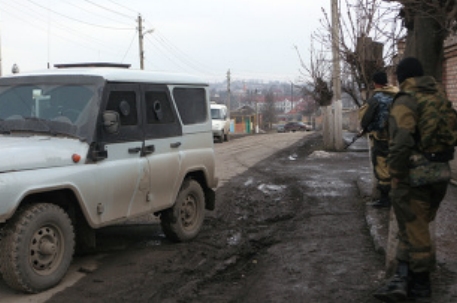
(221, 138)
(36, 248)
(184, 220)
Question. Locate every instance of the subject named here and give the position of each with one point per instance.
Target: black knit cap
(380, 78)
(408, 68)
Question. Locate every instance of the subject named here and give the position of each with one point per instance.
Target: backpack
(437, 125)
(382, 111)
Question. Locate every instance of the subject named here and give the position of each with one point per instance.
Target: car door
(163, 135)
(123, 176)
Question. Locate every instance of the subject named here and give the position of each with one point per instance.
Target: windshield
(216, 113)
(68, 109)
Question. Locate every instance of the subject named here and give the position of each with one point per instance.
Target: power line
(38, 17)
(184, 61)
(89, 11)
(110, 10)
(43, 29)
(77, 20)
(125, 7)
(128, 49)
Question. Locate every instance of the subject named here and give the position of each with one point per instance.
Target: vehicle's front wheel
(221, 138)
(36, 247)
(184, 220)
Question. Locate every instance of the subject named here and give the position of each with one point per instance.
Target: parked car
(221, 122)
(309, 126)
(296, 126)
(280, 128)
(88, 147)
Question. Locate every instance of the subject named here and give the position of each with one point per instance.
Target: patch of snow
(269, 188)
(249, 181)
(234, 239)
(320, 154)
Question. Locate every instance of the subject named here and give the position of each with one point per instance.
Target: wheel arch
(68, 200)
(201, 178)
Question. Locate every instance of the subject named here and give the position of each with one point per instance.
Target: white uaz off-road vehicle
(83, 148)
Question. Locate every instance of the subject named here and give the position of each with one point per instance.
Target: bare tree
(269, 111)
(316, 77)
(368, 38)
(428, 23)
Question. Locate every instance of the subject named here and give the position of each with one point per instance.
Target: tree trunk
(425, 42)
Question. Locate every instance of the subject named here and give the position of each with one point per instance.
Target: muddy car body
(83, 148)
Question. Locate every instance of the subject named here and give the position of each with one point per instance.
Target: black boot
(384, 200)
(396, 289)
(421, 289)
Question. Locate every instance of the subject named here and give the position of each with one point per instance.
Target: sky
(254, 39)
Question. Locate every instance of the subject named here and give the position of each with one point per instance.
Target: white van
(221, 122)
(86, 147)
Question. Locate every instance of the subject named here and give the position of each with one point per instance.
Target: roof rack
(92, 64)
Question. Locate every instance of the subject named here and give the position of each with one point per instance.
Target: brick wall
(450, 69)
(450, 84)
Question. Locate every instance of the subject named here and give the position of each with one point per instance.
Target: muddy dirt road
(233, 158)
(287, 228)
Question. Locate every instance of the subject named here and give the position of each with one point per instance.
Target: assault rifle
(357, 136)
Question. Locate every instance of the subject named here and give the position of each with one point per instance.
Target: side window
(124, 102)
(191, 103)
(123, 99)
(158, 108)
(159, 113)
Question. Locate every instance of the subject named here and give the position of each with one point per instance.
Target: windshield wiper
(41, 122)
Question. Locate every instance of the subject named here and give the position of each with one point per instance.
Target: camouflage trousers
(415, 208)
(379, 151)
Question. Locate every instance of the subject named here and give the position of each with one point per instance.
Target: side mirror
(111, 121)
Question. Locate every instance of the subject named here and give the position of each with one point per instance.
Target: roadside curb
(377, 219)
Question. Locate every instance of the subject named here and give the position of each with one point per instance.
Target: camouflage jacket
(403, 122)
(372, 111)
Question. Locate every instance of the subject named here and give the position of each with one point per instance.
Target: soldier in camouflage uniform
(415, 206)
(374, 122)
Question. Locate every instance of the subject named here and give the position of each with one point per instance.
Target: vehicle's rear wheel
(36, 247)
(184, 220)
(221, 138)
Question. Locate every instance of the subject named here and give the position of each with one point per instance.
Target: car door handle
(149, 149)
(175, 145)
(134, 150)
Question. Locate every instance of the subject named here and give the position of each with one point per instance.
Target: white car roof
(119, 75)
(217, 105)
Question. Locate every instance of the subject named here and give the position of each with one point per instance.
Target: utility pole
(228, 90)
(336, 123)
(292, 95)
(337, 104)
(256, 112)
(141, 38)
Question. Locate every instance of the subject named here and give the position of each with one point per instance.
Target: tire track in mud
(249, 221)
